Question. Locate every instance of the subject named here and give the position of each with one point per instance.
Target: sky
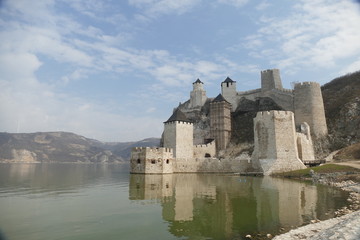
(113, 70)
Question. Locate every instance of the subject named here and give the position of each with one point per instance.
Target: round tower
(178, 135)
(309, 107)
(228, 91)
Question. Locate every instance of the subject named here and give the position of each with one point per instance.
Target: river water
(80, 201)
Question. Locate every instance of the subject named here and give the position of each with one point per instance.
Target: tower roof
(228, 80)
(219, 98)
(198, 81)
(178, 115)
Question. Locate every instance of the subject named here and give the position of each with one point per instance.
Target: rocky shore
(345, 226)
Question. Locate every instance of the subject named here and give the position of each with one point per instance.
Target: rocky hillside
(62, 147)
(342, 109)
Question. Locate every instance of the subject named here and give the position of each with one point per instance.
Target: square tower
(178, 135)
(220, 122)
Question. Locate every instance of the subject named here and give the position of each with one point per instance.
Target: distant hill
(64, 147)
(123, 149)
(342, 109)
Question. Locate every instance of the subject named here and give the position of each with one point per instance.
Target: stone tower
(197, 95)
(270, 79)
(275, 142)
(220, 122)
(228, 91)
(309, 107)
(178, 135)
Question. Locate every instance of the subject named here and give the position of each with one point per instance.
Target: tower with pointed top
(228, 91)
(178, 135)
(220, 122)
(198, 94)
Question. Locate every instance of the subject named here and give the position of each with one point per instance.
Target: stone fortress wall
(178, 135)
(278, 147)
(151, 160)
(305, 100)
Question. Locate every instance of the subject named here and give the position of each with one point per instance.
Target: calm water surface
(75, 201)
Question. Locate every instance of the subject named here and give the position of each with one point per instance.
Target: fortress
(278, 146)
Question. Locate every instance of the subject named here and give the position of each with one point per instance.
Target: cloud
(154, 8)
(315, 33)
(236, 3)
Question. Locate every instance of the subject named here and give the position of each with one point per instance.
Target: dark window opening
(138, 161)
(153, 161)
(167, 161)
(207, 155)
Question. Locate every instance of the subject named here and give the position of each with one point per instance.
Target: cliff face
(342, 109)
(63, 147)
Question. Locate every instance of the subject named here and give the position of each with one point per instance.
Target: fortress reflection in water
(226, 206)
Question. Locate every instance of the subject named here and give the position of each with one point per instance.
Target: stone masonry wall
(304, 144)
(220, 124)
(228, 91)
(309, 107)
(178, 135)
(151, 160)
(275, 142)
(205, 150)
(197, 95)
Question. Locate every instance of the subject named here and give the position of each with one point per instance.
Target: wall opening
(153, 161)
(207, 155)
(138, 161)
(167, 161)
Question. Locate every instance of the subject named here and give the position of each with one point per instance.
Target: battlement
(205, 145)
(249, 92)
(273, 114)
(180, 122)
(283, 90)
(269, 70)
(306, 84)
(152, 149)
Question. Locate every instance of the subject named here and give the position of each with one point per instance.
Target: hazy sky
(113, 70)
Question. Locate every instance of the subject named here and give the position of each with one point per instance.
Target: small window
(153, 161)
(138, 161)
(207, 155)
(167, 161)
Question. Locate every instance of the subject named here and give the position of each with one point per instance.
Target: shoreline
(345, 226)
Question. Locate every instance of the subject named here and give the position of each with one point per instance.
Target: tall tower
(178, 135)
(198, 94)
(309, 107)
(275, 142)
(220, 122)
(270, 79)
(228, 91)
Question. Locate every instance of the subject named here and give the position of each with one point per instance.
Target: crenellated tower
(178, 135)
(270, 79)
(220, 122)
(309, 107)
(198, 94)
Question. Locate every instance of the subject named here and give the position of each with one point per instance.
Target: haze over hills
(64, 147)
(342, 108)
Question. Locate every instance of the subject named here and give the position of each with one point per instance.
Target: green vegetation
(327, 168)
